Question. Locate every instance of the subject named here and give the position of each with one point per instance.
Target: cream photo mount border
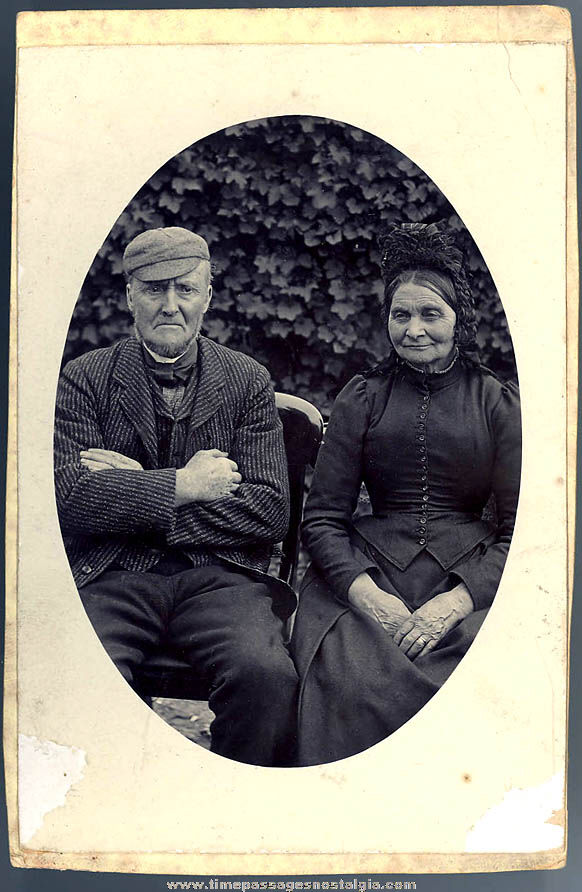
(266, 27)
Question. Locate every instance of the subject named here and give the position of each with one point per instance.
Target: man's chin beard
(168, 351)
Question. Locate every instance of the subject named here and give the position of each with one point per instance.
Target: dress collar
(432, 380)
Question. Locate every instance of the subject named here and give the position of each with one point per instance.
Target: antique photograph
(293, 401)
(307, 256)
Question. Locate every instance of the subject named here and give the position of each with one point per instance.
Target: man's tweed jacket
(104, 400)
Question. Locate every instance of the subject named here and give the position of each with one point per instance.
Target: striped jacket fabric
(127, 517)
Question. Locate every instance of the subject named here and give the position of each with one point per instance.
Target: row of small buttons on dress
(423, 460)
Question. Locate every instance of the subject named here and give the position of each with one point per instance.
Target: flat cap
(164, 254)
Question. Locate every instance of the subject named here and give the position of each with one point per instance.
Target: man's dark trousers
(213, 618)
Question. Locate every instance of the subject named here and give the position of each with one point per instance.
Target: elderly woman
(393, 600)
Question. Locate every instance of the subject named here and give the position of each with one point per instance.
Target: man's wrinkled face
(168, 314)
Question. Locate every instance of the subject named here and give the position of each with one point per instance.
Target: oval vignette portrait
(288, 441)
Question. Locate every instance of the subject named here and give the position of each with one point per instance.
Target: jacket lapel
(208, 397)
(136, 396)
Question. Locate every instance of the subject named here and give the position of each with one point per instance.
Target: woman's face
(421, 326)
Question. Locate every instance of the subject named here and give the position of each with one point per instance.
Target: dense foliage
(291, 208)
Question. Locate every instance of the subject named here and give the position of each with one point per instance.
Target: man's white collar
(165, 359)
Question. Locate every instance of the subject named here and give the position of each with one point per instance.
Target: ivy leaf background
(291, 208)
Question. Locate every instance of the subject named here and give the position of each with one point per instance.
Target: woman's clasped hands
(416, 633)
(368, 598)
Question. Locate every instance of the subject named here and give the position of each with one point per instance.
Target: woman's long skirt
(357, 686)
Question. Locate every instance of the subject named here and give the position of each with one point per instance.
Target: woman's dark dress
(430, 449)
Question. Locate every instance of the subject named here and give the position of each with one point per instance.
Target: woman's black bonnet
(412, 247)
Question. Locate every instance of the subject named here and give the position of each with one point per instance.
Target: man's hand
(384, 608)
(106, 460)
(421, 633)
(210, 474)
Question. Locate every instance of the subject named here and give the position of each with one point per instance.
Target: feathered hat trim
(419, 246)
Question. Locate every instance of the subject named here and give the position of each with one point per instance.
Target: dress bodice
(429, 446)
(430, 449)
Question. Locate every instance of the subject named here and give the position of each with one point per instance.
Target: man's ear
(129, 298)
(209, 298)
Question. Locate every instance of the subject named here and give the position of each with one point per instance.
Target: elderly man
(171, 484)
